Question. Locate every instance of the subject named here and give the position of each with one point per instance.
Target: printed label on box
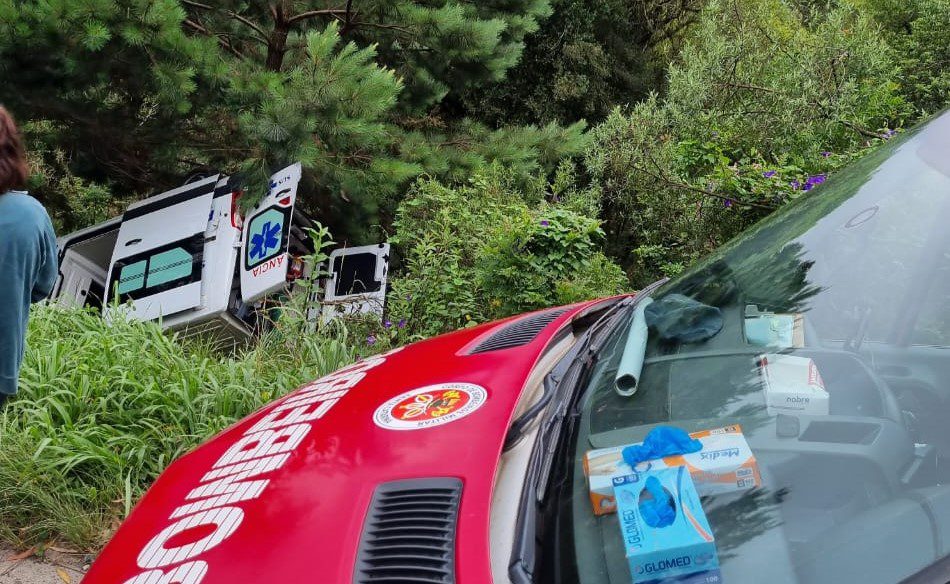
(792, 385)
(666, 537)
(724, 464)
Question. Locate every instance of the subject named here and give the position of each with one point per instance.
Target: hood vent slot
(518, 333)
(409, 533)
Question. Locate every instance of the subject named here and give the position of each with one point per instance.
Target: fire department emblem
(430, 406)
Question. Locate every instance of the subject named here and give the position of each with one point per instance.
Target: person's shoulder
(19, 208)
(14, 201)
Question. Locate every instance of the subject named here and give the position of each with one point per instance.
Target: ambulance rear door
(357, 281)
(158, 255)
(265, 259)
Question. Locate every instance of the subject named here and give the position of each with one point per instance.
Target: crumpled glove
(662, 441)
(657, 509)
(680, 318)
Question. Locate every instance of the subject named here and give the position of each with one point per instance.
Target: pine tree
(437, 51)
(137, 93)
(587, 57)
(113, 82)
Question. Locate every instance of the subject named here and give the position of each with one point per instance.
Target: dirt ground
(56, 567)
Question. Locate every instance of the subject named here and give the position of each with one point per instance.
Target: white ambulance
(189, 258)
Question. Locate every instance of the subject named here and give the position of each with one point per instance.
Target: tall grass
(104, 407)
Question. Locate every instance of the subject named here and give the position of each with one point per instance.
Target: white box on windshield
(792, 385)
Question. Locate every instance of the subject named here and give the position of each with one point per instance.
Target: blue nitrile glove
(660, 442)
(657, 510)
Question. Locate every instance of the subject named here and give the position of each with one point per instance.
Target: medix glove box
(792, 385)
(675, 544)
(724, 464)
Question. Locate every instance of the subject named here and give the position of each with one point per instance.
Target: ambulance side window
(160, 269)
(132, 277)
(356, 274)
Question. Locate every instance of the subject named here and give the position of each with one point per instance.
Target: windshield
(822, 333)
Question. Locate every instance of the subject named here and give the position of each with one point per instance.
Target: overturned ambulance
(189, 258)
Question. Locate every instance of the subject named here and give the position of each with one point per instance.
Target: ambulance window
(167, 266)
(132, 277)
(356, 274)
(160, 269)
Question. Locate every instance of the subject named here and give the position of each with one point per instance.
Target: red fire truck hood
(283, 495)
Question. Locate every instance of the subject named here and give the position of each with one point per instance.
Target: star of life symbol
(265, 240)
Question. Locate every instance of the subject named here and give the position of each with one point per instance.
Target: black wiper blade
(551, 429)
(520, 426)
(559, 394)
(568, 374)
(553, 379)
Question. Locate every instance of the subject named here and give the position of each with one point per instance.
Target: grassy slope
(104, 408)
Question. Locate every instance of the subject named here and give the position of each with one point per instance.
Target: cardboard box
(684, 547)
(707, 577)
(792, 385)
(725, 464)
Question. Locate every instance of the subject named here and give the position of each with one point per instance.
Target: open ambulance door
(158, 255)
(266, 239)
(357, 281)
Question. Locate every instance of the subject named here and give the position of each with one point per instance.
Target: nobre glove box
(792, 385)
(725, 464)
(678, 546)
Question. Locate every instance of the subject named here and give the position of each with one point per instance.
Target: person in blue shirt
(28, 255)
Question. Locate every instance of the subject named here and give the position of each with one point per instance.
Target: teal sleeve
(48, 270)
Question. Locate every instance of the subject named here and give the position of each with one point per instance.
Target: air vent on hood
(409, 533)
(520, 332)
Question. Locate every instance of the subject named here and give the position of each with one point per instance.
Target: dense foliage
(587, 58)
(491, 248)
(918, 31)
(761, 105)
(144, 92)
(454, 129)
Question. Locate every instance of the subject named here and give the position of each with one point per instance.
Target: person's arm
(49, 263)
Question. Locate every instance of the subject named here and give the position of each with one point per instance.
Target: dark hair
(13, 167)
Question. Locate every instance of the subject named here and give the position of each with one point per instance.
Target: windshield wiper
(540, 464)
(552, 380)
(569, 375)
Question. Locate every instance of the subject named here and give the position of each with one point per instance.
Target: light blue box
(683, 548)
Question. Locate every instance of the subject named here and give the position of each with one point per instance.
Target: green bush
(545, 257)
(103, 408)
(919, 32)
(490, 248)
(762, 103)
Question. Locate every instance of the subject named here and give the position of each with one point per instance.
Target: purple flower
(825, 154)
(408, 297)
(545, 223)
(769, 173)
(813, 181)
(889, 133)
(387, 324)
(715, 134)
(795, 184)
(371, 340)
(727, 203)
(401, 323)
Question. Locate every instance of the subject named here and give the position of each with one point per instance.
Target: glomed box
(683, 547)
(725, 464)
